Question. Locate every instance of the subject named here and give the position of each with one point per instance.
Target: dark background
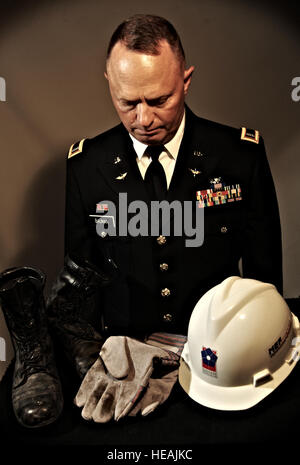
(52, 56)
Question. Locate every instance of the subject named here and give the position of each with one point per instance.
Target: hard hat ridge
(230, 298)
(242, 342)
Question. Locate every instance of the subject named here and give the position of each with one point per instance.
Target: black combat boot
(73, 308)
(36, 392)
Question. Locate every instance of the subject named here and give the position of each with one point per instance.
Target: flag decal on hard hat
(209, 360)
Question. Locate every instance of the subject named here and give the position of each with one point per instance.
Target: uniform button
(163, 267)
(168, 317)
(165, 292)
(161, 240)
(224, 229)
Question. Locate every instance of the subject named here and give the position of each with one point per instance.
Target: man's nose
(144, 115)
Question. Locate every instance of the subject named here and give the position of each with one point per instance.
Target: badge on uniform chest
(102, 217)
(219, 193)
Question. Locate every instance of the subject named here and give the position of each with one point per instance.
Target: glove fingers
(123, 408)
(158, 390)
(104, 410)
(131, 390)
(89, 382)
(145, 406)
(136, 408)
(152, 397)
(92, 399)
(150, 408)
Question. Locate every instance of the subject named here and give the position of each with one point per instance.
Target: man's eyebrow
(151, 101)
(161, 98)
(129, 102)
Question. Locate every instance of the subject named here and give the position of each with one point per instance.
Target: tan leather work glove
(113, 384)
(164, 375)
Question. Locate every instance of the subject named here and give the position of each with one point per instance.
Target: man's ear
(105, 74)
(187, 77)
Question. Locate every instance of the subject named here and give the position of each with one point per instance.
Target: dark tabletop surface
(180, 423)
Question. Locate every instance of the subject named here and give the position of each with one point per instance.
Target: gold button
(224, 229)
(165, 292)
(163, 267)
(161, 240)
(167, 317)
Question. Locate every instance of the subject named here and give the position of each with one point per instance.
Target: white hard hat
(243, 341)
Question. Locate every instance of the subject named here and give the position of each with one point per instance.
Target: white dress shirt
(167, 158)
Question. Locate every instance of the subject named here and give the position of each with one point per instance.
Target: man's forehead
(151, 90)
(132, 74)
(148, 87)
(124, 59)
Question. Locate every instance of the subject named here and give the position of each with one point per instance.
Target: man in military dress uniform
(143, 286)
(225, 169)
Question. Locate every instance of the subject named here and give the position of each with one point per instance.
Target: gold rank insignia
(76, 148)
(194, 172)
(252, 135)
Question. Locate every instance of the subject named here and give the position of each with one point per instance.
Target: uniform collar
(172, 147)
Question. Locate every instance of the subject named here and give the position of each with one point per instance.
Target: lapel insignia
(252, 135)
(117, 160)
(119, 168)
(121, 177)
(218, 194)
(195, 172)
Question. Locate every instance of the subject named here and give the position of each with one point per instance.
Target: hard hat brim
(219, 397)
(232, 397)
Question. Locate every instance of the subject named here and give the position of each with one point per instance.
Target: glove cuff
(167, 341)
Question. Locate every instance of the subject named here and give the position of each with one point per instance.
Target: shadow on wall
(13, 11)
(42, 221)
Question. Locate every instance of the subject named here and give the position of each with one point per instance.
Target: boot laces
(33, 349)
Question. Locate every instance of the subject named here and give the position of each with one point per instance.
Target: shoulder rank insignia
(76, 148)
(252, 135)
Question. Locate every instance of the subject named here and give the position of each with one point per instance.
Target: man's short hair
(143, 33)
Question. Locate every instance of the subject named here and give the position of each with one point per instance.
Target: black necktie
(155, 176)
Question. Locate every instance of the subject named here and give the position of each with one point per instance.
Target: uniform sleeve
(262, 246)
(77, 238)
